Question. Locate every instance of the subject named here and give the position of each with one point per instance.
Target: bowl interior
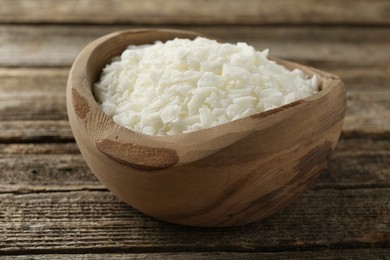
(114, 140)
(114, 44)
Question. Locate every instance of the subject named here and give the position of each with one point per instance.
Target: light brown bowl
(227, 175)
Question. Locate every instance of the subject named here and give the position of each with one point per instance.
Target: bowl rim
(88, 50)
(79, 82)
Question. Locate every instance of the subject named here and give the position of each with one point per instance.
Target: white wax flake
(186, 85)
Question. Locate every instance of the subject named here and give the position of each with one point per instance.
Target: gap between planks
(377, 253)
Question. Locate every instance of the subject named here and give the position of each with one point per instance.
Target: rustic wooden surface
(52, 206)
(197, 12)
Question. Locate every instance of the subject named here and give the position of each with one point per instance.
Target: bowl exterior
(249, 179)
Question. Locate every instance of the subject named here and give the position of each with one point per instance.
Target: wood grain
(56, 171)
(368, 120)
(197, 12)
(33, 94)
(320, 46)
(35, 131)
(239, 172)
(373, 253)
(37, 81)
(45, 214)
(55, 167)
(29, 168)
(65, 221)
(31, 98)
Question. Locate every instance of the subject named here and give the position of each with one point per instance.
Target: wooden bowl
(227, 175)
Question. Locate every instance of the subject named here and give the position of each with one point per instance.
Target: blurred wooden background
(52, 206)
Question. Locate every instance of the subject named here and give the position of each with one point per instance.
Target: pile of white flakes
(186, 85)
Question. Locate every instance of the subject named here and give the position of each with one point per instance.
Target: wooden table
(52, 206)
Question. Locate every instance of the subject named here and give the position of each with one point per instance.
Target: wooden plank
(372, 253)
(357, 163)
(367, 124)
(33, 108)
(21, 149)
(37, 81)
(365, 93)
(46, 106)
(364, 79)
(319, 46)
(367, 113)
(197, 12)
(35, 131)
(26, 168)
(46, 172)
(33, 94)
(322, 219)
